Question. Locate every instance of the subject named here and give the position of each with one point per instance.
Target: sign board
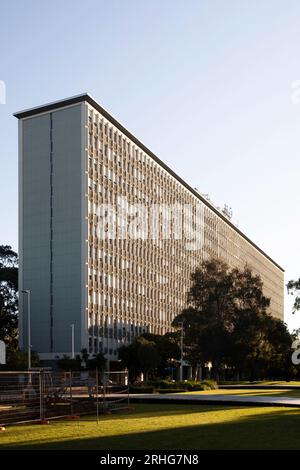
(2, 353)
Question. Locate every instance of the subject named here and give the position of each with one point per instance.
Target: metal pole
(97, 396)
(181, 354)
(71, 394)
(73, 341)
(41, 383)
(29, 330)
(103, 389)
(127, 381)
(27, 292)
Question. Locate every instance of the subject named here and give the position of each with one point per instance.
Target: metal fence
(41, 395)
(116, 390)
(20, 397)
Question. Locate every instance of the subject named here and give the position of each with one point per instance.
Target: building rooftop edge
(85, 97)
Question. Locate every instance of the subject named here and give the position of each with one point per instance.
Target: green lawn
(169, 426)
(262, 382)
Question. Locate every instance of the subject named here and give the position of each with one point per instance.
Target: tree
(248, 291)
(148, 356)
(168, 350)
(67, 363)
(141, 356)
(82, 361)
(128, 354)
(227, 322)
(18, 360)
(97, 362)
(9, 266)
(251, 349)
(9, 297)
(293, 288)
(8, 326)
(209, 318)
(85, 355)
(280, 364)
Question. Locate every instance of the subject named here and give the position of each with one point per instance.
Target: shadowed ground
(169, 426)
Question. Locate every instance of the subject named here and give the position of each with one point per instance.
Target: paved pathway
(260, 387)
(216, 399)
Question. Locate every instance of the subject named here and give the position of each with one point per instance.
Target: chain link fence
(41, 395)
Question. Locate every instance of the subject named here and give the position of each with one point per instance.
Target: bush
(193, 386)
(163, 384)
(189, 385)
(211, 384)
(141, 389)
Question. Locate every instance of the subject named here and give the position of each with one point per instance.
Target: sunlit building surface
(113, 275)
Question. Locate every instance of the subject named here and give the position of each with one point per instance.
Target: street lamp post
(27, 292)
(181, 353)
(73, 341)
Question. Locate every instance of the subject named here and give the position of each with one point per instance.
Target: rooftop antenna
(227, 211)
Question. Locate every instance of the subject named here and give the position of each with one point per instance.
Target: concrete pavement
(215, 399)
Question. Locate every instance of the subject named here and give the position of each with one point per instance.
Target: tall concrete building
(109, 235)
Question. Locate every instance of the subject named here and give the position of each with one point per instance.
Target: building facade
(109, 235)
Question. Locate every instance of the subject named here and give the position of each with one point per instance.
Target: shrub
(163, 384)
(189, 385)
(211, 384)
(193, 386)
(141, 389)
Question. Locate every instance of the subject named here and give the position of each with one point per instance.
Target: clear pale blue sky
(205, 84)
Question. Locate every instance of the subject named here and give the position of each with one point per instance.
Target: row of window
(123, 168)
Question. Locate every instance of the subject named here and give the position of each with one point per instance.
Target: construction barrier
(42, 395)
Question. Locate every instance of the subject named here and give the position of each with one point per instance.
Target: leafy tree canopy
(293, 288)
(228, 321)
(9, 297)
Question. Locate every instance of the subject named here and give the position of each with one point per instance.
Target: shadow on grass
(148, 410)
(276, 429)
